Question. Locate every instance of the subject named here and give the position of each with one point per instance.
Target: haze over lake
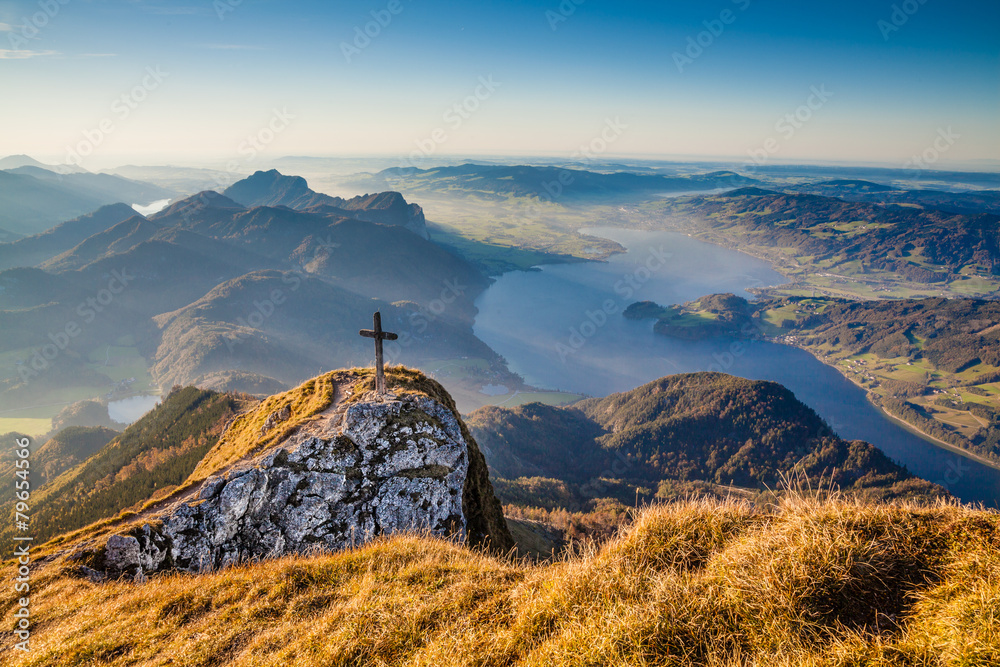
(561, 327)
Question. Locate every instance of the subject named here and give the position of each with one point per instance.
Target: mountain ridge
(695, 427)
(271, 188)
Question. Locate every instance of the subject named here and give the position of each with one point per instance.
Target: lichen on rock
(368, 468)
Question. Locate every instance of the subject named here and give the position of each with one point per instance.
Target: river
(560, 327)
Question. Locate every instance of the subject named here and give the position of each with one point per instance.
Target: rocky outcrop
(369, 468)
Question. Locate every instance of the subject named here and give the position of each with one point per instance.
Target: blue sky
(560, 73)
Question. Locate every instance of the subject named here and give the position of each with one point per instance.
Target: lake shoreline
(562, 327)
(955, 449)
(941, 443)
(732, 246)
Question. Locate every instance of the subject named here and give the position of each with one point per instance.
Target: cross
(379, 336)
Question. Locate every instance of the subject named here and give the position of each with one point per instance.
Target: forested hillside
(924, 245)
(154, 454)
(695, 428)
(933, 362)
(64, 450)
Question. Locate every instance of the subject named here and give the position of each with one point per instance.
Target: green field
(116, 364)
(877, 374)
(837, 276)
(26, 425)
(488, 230)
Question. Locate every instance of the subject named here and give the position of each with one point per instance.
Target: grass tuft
(806, 580)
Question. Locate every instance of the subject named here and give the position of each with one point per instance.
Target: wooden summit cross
(379, 336)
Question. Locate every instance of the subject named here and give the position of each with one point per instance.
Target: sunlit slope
(696, 583)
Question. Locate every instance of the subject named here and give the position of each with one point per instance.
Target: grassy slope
(152, 455)
(694, 583)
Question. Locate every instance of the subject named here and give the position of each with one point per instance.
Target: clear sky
(890, 81)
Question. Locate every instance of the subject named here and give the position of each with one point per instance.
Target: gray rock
(388, 466)
(275, 418)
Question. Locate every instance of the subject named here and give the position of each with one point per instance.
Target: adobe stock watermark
(454, 117)
(252, 146)
(724, 361)
(696, 44)
(899, 16)
(599, 485)
(419, 321)
(121, 108)
(945, 139)
(223, 7)
(956, 469)
(88, 310)
(363, 35)
(588, 152)
(609, 134)
(789, 124)
(263, 309)
(562, 13)
(31, 26)
(255, 143)
(22, 542)
(626, 288)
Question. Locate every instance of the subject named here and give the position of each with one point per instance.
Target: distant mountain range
(34, 198)
(552, 183)
(32, 250)
(271, 188)
(899, 175)
(240, 296)
(969, 203)
(15, 161)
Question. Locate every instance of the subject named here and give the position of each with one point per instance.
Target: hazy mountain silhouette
(32, 250)
(204, 278)
(107, 187)
(15, 161)
(544, 182)
(271, 188)
(33, 199)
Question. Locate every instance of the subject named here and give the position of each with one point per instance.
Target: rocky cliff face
(363, 469)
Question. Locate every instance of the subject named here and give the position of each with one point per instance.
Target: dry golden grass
(243, 437)
(805, 582)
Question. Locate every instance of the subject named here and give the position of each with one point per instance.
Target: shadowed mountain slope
(705, 427)
(32, 250)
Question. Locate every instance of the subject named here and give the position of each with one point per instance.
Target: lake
(560, 327)
(128, 410)
(152, 207)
